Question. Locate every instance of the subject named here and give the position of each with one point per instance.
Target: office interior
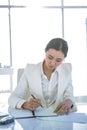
(26, 26)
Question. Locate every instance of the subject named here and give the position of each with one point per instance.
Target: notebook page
(20, 113)
(45, 112)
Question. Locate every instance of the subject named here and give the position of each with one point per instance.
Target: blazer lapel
(61, 81)
(37, 86)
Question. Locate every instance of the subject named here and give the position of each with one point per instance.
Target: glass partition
(75, 33)
(3, 2)
(32, 26)
(4, 37)
(75, 2)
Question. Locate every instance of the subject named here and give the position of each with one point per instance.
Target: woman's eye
(59, 60)
(50, 58)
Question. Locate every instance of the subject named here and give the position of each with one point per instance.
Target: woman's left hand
(64, 107)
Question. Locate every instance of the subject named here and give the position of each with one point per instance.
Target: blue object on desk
(6, 120)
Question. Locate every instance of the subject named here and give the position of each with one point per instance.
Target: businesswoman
(49, 81)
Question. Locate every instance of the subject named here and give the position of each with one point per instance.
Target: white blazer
(30, 83)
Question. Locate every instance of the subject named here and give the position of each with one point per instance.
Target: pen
(35, 98)
(33, 113)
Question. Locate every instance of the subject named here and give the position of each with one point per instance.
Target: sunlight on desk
(42, 124)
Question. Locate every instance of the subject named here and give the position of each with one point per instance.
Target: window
(4, 37)
(33, 24)
(5, 55)
(75, 33)
(75, 3)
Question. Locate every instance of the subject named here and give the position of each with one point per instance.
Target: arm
(68, 103)
(20, 94)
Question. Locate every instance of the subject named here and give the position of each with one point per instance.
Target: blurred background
(26, 26)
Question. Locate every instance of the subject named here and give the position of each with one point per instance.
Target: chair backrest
(19, 74)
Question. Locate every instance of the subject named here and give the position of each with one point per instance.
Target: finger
(34, 105)
(35, 101)
(68, 111)
(59, 107)
(61, 112)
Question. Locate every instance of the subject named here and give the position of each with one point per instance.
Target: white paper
(3, 114)
(19, 113)
(73, 117)
(47, 114)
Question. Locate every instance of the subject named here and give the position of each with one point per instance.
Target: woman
(49, 81)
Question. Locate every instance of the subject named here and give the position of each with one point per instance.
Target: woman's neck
(46, 71)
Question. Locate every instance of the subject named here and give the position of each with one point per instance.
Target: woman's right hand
(31, 104)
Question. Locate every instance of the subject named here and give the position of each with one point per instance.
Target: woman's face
(53, 59)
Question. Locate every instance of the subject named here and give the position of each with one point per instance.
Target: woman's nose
(53, 62)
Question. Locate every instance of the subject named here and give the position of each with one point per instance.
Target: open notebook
(39, 112)
(48, 114)
(3, 114)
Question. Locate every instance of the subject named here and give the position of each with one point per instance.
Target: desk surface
(39, 124)
(36, 124)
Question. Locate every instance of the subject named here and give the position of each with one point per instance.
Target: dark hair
(58, 44)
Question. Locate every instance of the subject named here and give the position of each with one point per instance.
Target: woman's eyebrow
(50, 55)
(59, 59)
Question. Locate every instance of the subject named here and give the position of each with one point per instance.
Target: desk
(38, 124)
(35, 124)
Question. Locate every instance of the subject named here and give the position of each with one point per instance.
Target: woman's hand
(32, 104)
(64, 107)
